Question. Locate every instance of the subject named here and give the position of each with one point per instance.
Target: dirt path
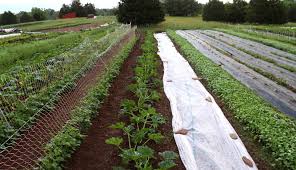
(94, 153)
(74, 28)
(29, 147)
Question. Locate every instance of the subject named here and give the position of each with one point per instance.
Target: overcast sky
(26, 5)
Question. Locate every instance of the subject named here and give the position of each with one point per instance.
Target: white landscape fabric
(207, 145)
(10, 35)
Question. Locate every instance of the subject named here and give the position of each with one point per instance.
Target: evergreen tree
(236, 12)
(89, 9)
(181, 7)
(267, 12)
(25, 17)
(213, 11)
(8, 18)
(140, 12)
(78, 9)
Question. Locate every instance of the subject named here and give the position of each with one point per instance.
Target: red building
(69, 15)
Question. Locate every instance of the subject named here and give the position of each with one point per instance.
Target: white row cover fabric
(208, 145)
(10, 35)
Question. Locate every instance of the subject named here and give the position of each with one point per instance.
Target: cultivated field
(89, 93)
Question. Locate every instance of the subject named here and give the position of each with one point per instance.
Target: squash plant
(144, 121)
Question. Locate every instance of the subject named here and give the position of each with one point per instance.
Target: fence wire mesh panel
(36, 100)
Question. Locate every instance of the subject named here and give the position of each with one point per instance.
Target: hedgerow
(69, 138)
(274, 130)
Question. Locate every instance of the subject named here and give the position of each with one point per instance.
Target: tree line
(36, 14)
(79, 9)
(256, 11)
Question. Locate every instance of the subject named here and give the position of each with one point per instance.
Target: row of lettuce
(29, 94)
(274, 130)
(69, 138)
(142, 128)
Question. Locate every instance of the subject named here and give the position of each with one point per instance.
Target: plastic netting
(35, 100)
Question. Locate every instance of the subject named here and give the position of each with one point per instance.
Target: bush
(140, 12)
(213, 11)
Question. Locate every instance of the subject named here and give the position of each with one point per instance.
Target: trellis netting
(205, 138)
(29, 116)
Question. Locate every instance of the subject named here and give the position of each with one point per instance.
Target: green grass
(60, 23)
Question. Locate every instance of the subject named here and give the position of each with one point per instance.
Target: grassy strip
(273, 43)
(274, 130)
(67, 140)
(142, 129)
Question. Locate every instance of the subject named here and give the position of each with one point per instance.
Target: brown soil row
(74, 28)
(30, 146)
(94, 153)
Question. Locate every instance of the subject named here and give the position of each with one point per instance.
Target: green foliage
(182, 7)
(274, 130)
(140, 12)
(267, 11)
(213, 11)
(66, 141)
(142, 128)
(26, 17)
(38, 14)
(236, 12)
(8, 18)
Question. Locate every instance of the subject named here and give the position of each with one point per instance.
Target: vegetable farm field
(181, 94)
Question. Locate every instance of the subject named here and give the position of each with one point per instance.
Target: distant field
(60, 23)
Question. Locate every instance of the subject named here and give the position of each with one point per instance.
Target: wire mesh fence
(35, 100)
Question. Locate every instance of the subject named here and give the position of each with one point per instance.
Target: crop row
(275, 131)
(69, 138)
(37, 51)
(142, 128)
(269, 42)
(60, 79)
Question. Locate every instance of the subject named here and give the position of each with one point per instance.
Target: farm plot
(274, 83)
(273, 129)
(33, 114)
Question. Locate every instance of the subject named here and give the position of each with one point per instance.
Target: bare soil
(94, 153)
(74, 28)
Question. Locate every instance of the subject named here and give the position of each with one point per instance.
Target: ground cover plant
(142, 128)
(274, 130)
(67, 140)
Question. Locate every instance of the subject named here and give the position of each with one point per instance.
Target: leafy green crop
(274, 130)
(144, 120)
(63, 145)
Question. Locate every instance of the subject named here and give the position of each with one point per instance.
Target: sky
(26, 5)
